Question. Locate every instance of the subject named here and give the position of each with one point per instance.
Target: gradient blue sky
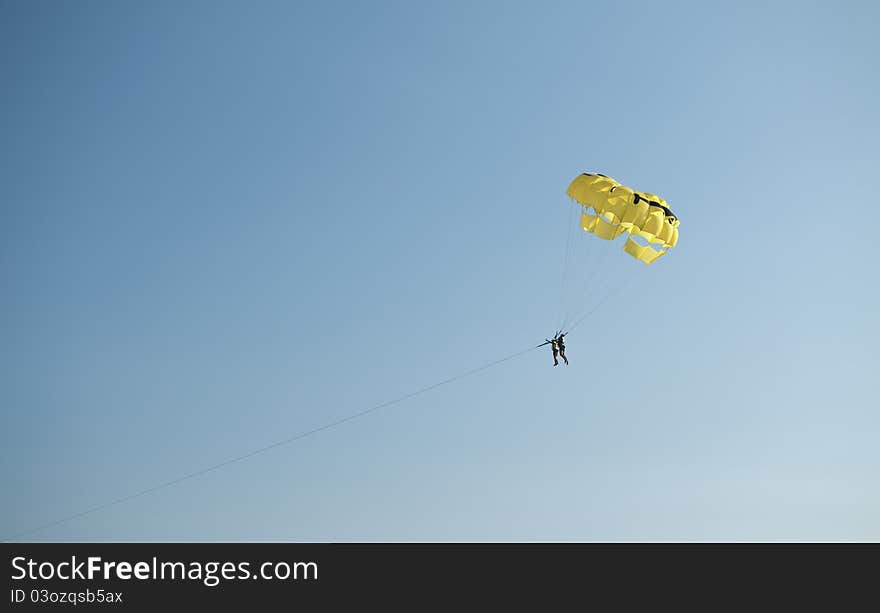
(224, 223)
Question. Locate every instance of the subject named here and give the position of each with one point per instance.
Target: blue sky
(225, 223)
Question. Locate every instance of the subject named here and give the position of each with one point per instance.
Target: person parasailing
(560, 343)
(557, 345)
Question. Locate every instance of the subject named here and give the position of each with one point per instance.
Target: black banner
(181, 576)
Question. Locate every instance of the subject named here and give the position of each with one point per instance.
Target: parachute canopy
(612, 209)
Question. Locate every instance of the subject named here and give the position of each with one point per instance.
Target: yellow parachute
(611, 209)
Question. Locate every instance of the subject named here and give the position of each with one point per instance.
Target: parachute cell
(611, 209)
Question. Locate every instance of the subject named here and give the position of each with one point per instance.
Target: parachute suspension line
(562, 292)
(574, 270)
(266, 448)
(605, 299)
(586, 272)
(593, 284)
